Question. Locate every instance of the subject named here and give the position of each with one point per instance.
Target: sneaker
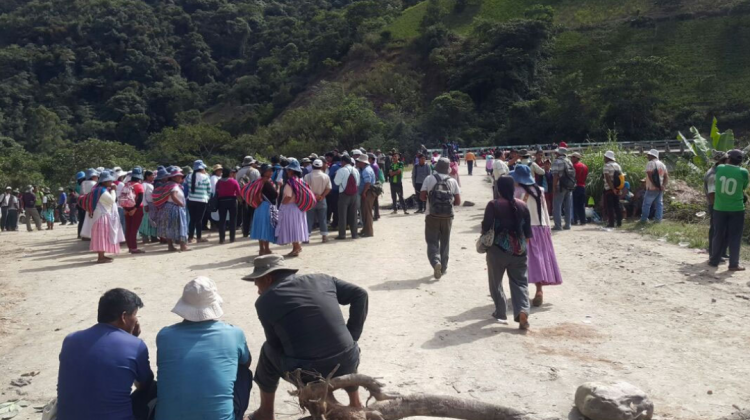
(438, 271)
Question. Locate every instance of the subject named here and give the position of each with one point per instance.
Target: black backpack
(441, 198)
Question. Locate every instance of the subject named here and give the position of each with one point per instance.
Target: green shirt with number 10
(731, 182)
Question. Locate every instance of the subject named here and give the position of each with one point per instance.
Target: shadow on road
(404, 284)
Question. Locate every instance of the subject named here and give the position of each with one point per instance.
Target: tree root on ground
(317, 398)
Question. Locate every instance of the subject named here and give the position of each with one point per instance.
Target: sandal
(293, 254)
(523, 321)
(538, 299)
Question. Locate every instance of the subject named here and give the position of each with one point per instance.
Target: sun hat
(356, 152)
(654, 153)
(100, 169)
(267, 264)
(247, 161)
(118, 172)
(313, 156)
(200, 301)
(562, 151)
(185, 169)
(363, 159)
(610, 155)
(305, 160)
(294, 165)
(198, 165)
(522, 175)
(524, 153)
(265, 168)
(317, 164)
(161, 173)
(372, 156)
(576, 155)
(175, 172)
(91, 172)
(216, 167)
(443, 166)
(80, 175)
(137, 173)
(107, 176)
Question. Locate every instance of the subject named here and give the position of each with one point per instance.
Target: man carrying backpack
(563, 184)
(347, 180)
(441, 192)
(657, 178)
(613, 183)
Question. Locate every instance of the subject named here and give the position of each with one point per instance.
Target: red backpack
(351, 185)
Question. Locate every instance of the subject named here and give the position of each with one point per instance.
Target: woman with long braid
(511, 222)
(542, 262)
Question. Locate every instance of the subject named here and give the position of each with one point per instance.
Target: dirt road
(630, 309)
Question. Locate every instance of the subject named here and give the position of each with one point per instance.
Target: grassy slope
(711, 53)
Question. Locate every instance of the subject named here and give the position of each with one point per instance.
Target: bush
(633, 166)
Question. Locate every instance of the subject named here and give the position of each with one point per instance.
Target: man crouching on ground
(304, 327)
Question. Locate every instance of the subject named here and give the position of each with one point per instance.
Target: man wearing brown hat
(304, 327)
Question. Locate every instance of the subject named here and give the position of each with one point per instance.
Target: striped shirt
(202, 190)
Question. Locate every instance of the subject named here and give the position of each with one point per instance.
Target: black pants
(11, 220)
(332, 200)
(711, 231)
(197, 211)
(3, 217)
(421, 205)
(727, 227)
(227, 205)
(247, 219)
(376, 208)
(61, 214)
(579, 205)
(270, 369)
(470, 165)
(397, 190)
(347, 214)
(613, 209)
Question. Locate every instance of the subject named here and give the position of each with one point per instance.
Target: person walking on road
(729, 210)
(510, 220)
(579, 193)
(471, 159)
(28, 203)
(441, 193)
(657, 178)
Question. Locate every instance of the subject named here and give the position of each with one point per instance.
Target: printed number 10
(728, 185)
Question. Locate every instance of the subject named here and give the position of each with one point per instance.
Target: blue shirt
(97, 369)
(62, 199)
(367, 177)
(197, 365)
(332, 174)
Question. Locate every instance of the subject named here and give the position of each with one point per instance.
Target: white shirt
(609, 169)
(87, 186)
(499, 168)
(119, 188)
(180, 194)
(318, 181)
(342, 176)
(214, 179)
(5, 201)
(430, 182)
(148, 192)
(655, 165)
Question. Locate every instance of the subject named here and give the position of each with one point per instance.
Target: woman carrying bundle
(509, 218)
(106, 230)
(263, 199)
(147, 229)
(169, 199)
(542, 262)
(292, 226)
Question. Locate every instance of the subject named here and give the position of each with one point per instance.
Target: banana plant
(722, 142)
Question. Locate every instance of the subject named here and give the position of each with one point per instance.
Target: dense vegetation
(88, 82)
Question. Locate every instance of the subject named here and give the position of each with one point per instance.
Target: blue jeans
(650, 198)
(562, 200)
(319, 214)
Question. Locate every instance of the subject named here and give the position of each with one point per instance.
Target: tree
(188, 143)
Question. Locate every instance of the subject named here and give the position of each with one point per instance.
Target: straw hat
(267, 264)
(200, 301)
(216, 167)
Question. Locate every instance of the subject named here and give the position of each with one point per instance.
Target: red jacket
(582, 171)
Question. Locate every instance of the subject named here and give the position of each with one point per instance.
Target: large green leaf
(726, 141)
(686, 142)
(701, 149)
(715, 134)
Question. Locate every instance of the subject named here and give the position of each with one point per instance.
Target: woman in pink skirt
(106, 230)
(292, 225)
(542, 263)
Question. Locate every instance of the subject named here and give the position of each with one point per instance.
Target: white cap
(317, 163)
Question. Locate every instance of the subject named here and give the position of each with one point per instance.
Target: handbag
(487, 239)
(273, 212)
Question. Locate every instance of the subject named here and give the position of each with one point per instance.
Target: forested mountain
(170, 81)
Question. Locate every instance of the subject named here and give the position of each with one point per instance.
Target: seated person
(304, 327)
(100, 365)
(203, 363)
(626, 198)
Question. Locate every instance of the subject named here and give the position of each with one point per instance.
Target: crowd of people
(204, 364)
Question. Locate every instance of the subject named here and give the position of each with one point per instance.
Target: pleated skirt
(173, 223)
(542, 263)
(292, 225)
(261, 229)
